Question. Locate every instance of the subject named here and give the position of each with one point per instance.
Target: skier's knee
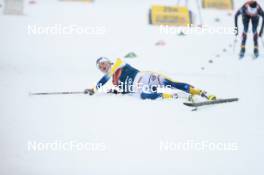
(244, 35)
(150, 96)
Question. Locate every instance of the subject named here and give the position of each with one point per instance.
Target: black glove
(260, 33)
(113, 91)
(89, 91)
(236, 31)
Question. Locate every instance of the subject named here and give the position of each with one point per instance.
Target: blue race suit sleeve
(239, 12)
(261, 13)
(102, 81)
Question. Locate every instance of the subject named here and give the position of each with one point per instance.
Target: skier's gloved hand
(89, 91)
(236, 31)
(113, 91)
(260, 33)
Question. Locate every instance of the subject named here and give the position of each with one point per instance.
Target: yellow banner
(218, 4)
(170, 15)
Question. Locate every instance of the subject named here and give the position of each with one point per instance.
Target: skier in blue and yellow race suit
(146, 84)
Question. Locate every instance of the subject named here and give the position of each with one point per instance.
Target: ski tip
(232, 99)
(212, 102)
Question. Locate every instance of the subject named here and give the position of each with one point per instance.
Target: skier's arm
(100, 83)
(105, 78)
(239, 12)
(261, 13)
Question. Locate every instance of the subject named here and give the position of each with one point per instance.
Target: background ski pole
(261, 39)
(199, 12)
(57, 93)
(234, 44)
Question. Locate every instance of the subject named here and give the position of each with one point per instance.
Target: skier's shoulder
(244, 7)
(241, 10)
(260, 10)
(117, 65)
(120, 64)
(258, 5)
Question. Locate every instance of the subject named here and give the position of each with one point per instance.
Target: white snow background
(131, 129)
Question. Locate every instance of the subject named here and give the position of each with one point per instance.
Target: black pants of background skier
(255, 21)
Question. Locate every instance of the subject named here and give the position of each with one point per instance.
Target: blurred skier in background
(127, 79)
(250, 11)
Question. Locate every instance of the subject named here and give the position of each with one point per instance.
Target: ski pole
(261, 39)
(57, 93)
(234, 44)
(199, 11)
(111, 91)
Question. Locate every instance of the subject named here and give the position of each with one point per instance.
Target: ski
(205, 103)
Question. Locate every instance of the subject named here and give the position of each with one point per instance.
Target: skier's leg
(146, 81)
(177, 85)
(244, 36)
(181, 86)
(246, 25)
(243, 43)
(255, 22)
(147, 84)
(187, 88)
(150, 96)
(150, 82)
(155, 95)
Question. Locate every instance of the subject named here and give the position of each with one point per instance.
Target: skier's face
(252, 4)
(104, 66)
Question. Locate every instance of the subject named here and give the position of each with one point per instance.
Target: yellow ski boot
(194, 91)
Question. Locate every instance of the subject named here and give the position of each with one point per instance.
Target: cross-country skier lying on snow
(130, 80)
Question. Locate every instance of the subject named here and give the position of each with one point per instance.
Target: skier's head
(103, 64)
(253, 4)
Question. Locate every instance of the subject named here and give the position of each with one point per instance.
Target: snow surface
(131, 129)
